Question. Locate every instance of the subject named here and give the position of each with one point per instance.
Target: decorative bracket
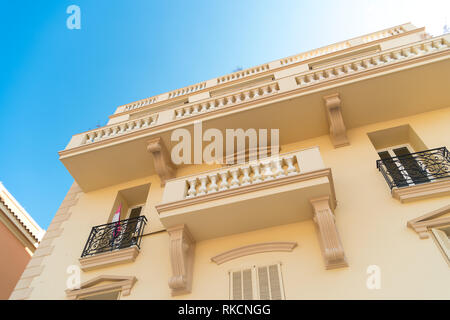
(330, 241)
(338, 132)
(182, 247)
(161, 158)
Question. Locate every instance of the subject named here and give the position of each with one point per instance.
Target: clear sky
(56, 82)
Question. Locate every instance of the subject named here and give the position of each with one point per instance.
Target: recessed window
(257, 283)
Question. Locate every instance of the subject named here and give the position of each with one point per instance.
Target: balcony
(417, 175)
(113, 243)
(255, 195)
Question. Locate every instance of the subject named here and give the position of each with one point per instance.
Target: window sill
(109, 258)
(422, 191)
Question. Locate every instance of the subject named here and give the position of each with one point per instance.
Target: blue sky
(56, 82)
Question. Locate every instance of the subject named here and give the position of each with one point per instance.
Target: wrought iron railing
(115, 235)
(415, 168)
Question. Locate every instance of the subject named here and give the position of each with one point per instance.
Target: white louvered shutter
(270, 286)
(443, 238)
(241, 284)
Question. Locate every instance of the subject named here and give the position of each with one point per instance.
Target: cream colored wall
(371, 223)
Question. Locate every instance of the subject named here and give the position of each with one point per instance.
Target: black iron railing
(115, 235)
(415, 168)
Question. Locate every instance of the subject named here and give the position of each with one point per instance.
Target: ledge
(422, 191)
(253, 249)
(109, 258)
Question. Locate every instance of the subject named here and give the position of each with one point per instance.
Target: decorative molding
(433, 219)
(162, 208)
(182, 247)
(161, 159)
(338, 132)
(331, 245)
(253, 249)
(422, 191)
(124, 284)
(109, 258)
(36, 265)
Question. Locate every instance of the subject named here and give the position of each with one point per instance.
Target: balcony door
(402, 166)
(129, 237)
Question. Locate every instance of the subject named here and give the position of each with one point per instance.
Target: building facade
(338, 189)
(20, 236)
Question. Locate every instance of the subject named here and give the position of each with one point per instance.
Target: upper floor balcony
(327, 94)
(243, 197)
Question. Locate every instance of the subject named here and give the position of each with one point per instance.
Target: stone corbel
(182, 247)
(338, 132)
(330, 242)
(161, 159)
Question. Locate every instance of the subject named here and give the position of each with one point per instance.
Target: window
(257, 283)
(113, 295)
(442, 237)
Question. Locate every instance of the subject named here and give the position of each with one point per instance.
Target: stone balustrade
(227, 100)
(187, 90)
(242, 175)
(373, 61)
(243, 73)
(140, 103)
(270, 169)
(119, 129)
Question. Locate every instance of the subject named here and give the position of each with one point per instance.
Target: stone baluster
(223, 185)
(229, 100)
(192, 192)
(247, 96)
(329, 73)
(291, 170)
(245, 175)
(237, 98)
(273, 87)
(202, 188)
(187, 111)
(278, 170)
(256, 93)
(195, 109)
(407, 52)
(256, 173)
(427, 47)
(91, 136)
(340, 71)
(212, 104)
(114, 130)
(213, 187)
(179, 113)
(267, 171)
(319, 76)
(122, 127)
(358, 66)
(221, 102)
(234, 183)
(301, 80)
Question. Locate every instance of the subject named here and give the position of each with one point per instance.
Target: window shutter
(241, 284)
(443, 239)
(269, 282)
